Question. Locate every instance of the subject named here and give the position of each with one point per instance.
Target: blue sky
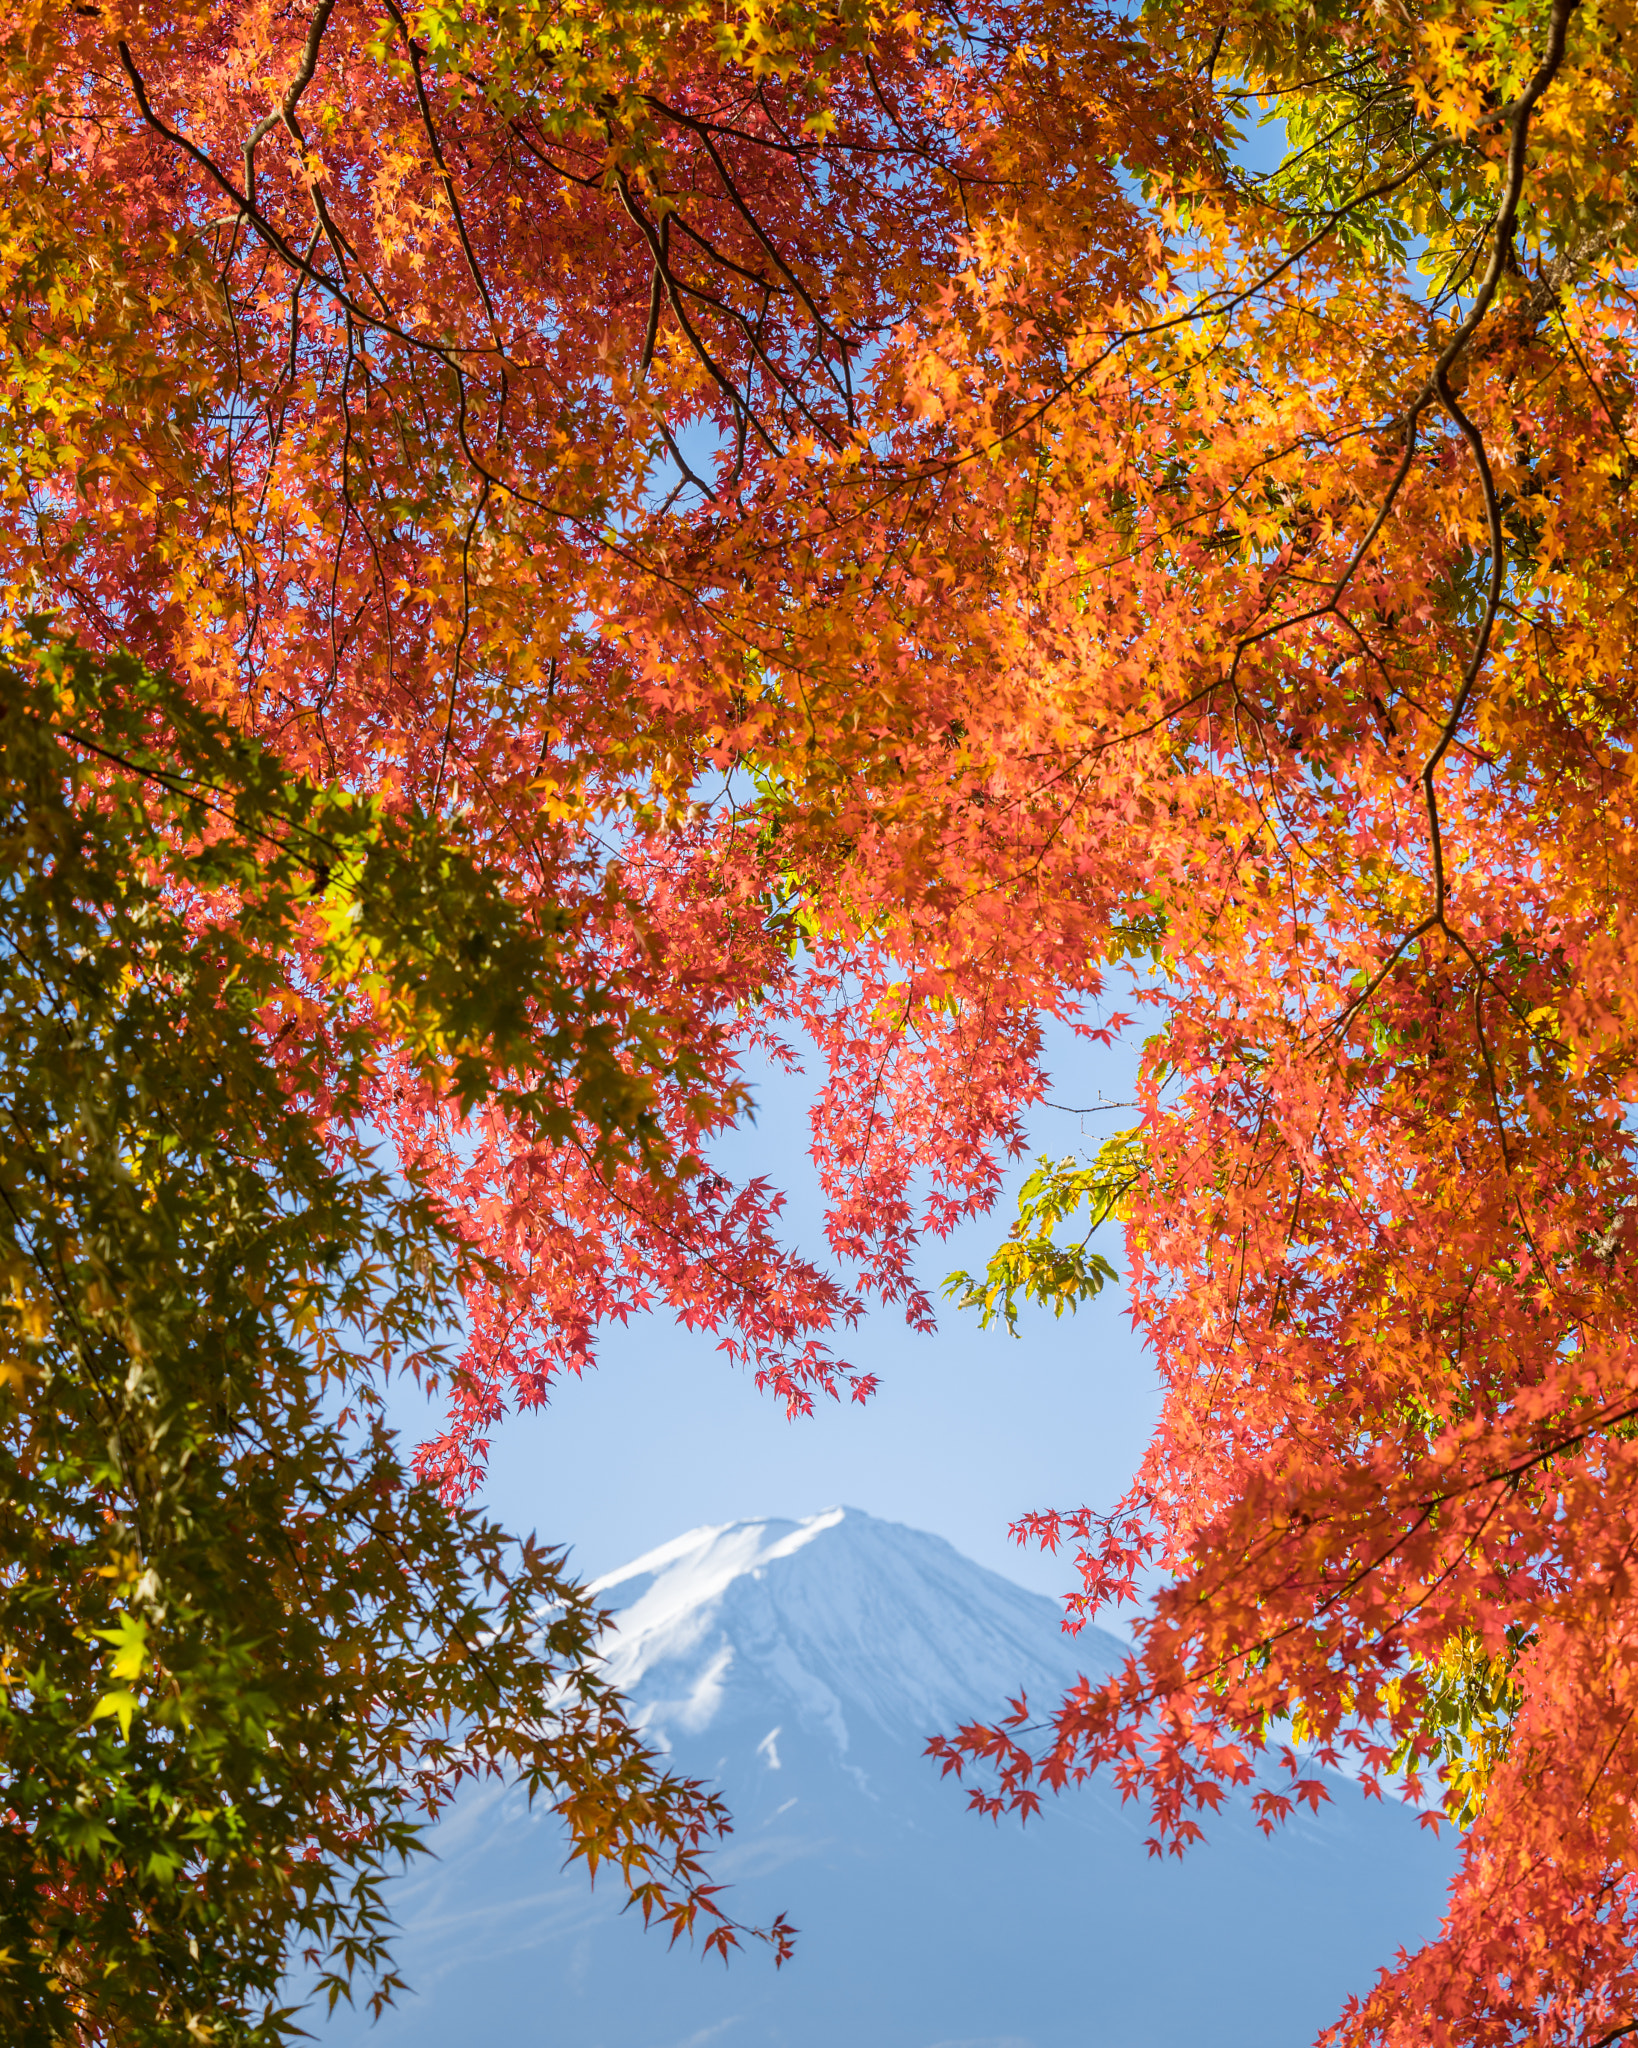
(968, 1430)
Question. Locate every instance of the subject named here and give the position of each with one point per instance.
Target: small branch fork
(1437, 389)
(429, 129)
(1501, 256)
(356, 313)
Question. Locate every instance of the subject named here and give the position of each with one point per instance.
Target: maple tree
(246, 1655)
(878, 526)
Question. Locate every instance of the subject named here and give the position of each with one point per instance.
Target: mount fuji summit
(801, 1666)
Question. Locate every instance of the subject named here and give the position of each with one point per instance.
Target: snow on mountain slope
(802, 1665)
(838, 1617)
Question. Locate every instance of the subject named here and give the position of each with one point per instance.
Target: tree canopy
(875, 530)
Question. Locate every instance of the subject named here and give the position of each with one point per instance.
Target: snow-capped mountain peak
(832, 1618)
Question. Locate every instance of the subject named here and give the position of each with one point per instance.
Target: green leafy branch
(1032, 1265)
(489, 994)
(245, 1654)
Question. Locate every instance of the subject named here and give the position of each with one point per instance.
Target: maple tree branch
(340, 247)
(346, 497)
(286, 109)
(1505, 1477)
(1481, 978)
(845, 1307)
(687, 473)
(588, 181)
(730, 312)
(451, 356)
(723, 381)
(1438, 386)
(1357, 116)
(960, 179)
(656, 298)
(264, 227)
(757, 279)
(1605, 1761)
(190, 788)
(460, 644)
(1562, 268)
(1501, 257)
(1463, 1550)
(430, 130)
(382, 580)
(1593, 384)
(773, 255)
(1214, 305)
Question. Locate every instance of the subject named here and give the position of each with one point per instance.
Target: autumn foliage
(878, 530)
